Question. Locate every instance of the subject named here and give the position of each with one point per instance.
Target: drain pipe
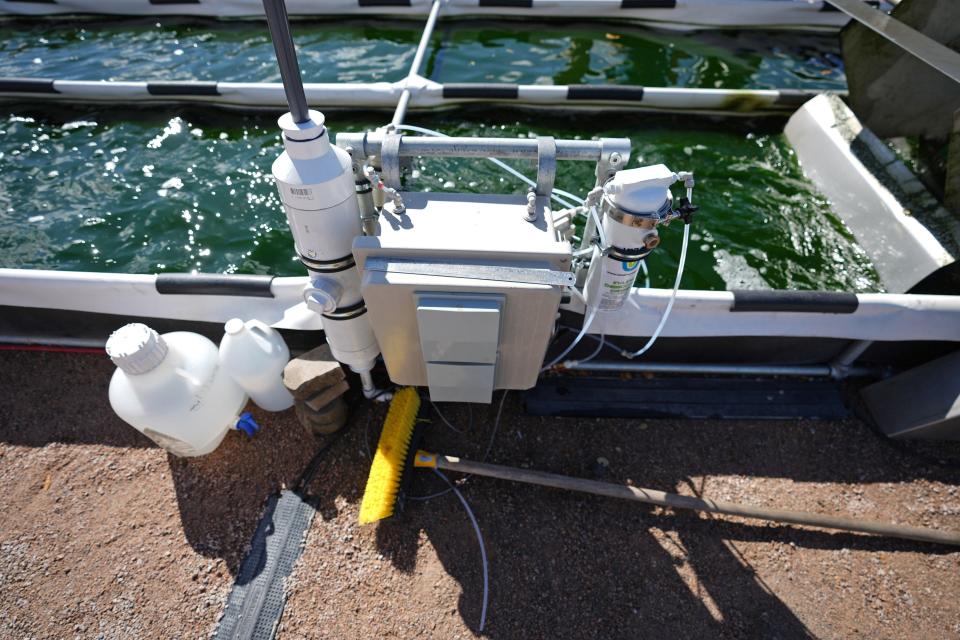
(797, 370)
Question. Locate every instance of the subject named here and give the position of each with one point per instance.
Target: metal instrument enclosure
(458, 270)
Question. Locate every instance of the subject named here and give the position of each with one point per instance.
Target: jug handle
(264, 337)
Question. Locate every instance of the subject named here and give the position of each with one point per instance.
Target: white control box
(462, 292)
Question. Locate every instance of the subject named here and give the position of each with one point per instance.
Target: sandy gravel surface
(571, 566)
(103, 535)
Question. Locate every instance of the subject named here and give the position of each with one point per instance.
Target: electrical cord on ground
(496, 425)
(447, 422)
(483, 549)
(486, 454)
(314, 465)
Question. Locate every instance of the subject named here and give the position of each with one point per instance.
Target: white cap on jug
(136, 348)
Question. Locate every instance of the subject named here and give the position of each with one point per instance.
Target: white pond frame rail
(416, 92)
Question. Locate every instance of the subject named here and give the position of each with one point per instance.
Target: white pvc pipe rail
(423, 94)
(879, 316)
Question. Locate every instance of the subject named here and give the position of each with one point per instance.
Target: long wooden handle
(652, 496)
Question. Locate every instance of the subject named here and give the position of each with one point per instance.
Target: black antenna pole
(279, 25)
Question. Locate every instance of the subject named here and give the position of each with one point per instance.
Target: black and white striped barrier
(427, 95)
(673, 14)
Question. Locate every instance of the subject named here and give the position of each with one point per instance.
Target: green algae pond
(187, 189)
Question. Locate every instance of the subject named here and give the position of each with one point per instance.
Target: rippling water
(462, 51)
(178, 190)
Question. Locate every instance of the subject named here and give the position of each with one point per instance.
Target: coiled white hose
(673, 297)
(591, 314)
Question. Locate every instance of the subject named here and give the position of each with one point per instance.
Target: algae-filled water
(174, 189)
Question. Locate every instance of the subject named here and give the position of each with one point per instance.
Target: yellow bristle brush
(390, 458)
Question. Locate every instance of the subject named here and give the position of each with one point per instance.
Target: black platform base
(687, 397)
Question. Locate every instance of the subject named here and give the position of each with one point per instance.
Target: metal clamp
(546, 165)
(390, 159)
(614, 155)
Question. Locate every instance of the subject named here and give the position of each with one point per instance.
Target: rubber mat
(256, 602)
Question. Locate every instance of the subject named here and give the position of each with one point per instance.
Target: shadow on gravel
(564, 565)
(222, 496)
(56, 397)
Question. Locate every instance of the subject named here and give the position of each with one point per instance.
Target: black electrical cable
(486, 454)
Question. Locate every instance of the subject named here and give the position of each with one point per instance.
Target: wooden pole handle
(652, 496)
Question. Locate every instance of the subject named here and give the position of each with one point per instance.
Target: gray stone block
(311, 373)
(319, 401)
(329, 420)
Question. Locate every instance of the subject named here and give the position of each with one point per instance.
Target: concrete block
(329, 420)
(922, 403)
(323, 398)
(311, 373)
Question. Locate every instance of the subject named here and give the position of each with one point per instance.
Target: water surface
(168, 189)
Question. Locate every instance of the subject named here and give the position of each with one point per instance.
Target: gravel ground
(103, 535)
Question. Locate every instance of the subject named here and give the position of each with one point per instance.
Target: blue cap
(247, 424)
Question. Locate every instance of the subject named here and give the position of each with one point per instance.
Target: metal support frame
(390, 159)
(279, 25)
(390, 147)
(612, 159)
(843, 363)
(941, 58)
(372, 144)
(401, 111)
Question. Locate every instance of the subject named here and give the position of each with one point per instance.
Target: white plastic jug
(254, 355)
(172, 389)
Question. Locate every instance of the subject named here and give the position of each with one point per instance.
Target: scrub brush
(395, 458)
(390, 459)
